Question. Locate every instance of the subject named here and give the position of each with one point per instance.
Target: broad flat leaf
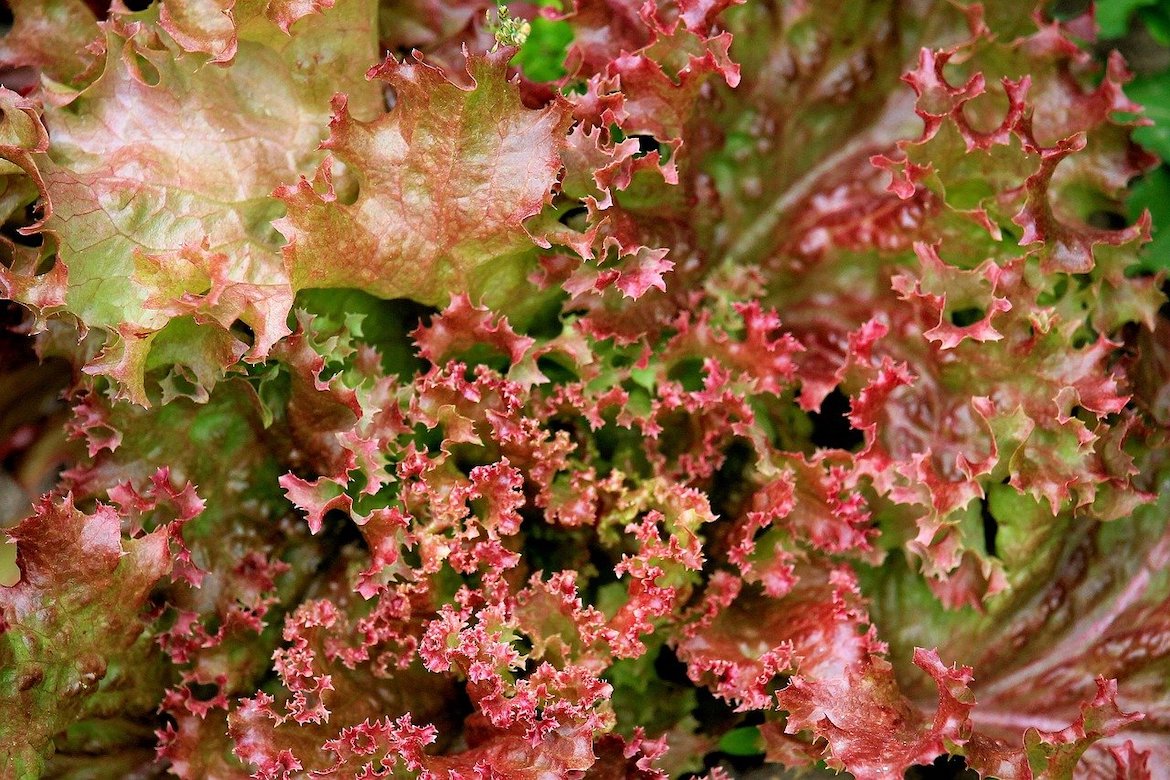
(72, 638)
(215, 27)
(1087, 600)
(445, 182)
(158, 184)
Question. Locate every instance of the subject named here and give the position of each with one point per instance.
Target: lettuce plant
(623, 390)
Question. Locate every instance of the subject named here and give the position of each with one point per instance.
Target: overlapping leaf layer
(436, 407)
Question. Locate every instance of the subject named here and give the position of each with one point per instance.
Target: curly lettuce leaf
(72, 629)
(768, 391)
(159, 182)
(445, 182)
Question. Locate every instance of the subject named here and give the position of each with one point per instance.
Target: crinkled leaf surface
(74, 641)
(775, 368)
(445, 182)
(158, 185)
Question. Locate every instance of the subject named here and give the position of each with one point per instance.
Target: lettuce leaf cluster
(616, 390)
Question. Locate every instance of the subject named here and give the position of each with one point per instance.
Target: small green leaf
(745, 741)
(1113, 15)
(1156, 18)
(1153, 92)
(1153, 193)
(542, 55)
